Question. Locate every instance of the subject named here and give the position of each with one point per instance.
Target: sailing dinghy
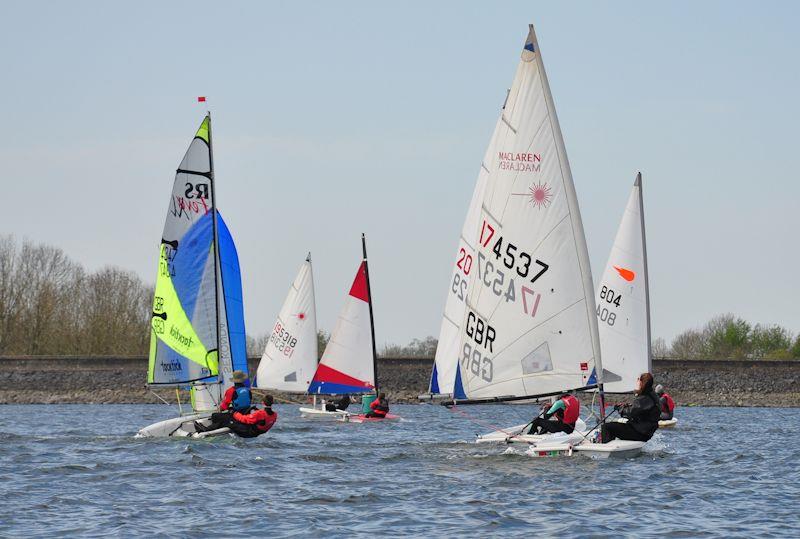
(197, 333)
(623, 303)
(292, 351)
(520, 319)
(348, 365)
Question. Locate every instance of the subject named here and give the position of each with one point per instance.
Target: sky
(336, 118)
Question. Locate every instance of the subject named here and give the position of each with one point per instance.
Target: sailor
(342, 404)
(565, 410)
(642, 414)
(379, 407)
(256, 422)
(667, 404)
(237, 398)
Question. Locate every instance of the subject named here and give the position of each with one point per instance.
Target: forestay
(520, 316)
(623, 304)
(291, 354)
(347, 365)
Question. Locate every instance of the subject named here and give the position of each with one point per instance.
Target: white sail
(623, 307)
(291, 355)
(527, 326)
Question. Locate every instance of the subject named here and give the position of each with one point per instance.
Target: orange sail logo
(626, 274)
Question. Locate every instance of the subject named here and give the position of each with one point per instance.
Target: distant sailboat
(292, 351)
(197, 332)
(623, 303)
(349, 363)
(520, 319)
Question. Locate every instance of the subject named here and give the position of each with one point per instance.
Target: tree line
(50, 305)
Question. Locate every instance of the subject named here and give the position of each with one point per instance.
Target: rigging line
(487, 425)
(159, 397)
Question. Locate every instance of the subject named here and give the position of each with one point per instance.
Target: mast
(580, 239)
(215, 239)
(371, 317)
(314, 307)
(638, 183)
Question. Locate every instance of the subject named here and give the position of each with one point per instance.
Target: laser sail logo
(520, 162)
(539, 194)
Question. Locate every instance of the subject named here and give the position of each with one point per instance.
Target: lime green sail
(172, 326)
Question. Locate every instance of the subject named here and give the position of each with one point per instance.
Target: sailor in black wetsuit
(642, 414)
(341, 405)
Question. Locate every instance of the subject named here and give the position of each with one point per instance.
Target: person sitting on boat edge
(379, 407)
(667, 404)
(566, 411)
(254, 423)
(642, 414)
(237, 398)
(341, 405)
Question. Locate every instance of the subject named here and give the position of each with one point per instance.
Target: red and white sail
(347, 366)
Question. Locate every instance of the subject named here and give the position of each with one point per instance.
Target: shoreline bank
(121, 380)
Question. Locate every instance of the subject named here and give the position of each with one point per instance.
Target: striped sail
(623, 306)
(197, 333)
(291, 354)
(520, 317)
(347, 366)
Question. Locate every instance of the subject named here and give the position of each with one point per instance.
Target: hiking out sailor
(340, 405)
(666, 402)
(642, 414)
(560, 417)
(237, 398)
(255, 422)
(379, 407)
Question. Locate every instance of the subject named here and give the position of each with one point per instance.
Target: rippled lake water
(77, 470)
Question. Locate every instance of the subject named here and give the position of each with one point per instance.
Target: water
(76, 469)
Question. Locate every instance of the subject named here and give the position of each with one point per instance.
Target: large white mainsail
(527, 325)
(623, 301)
(291, 354)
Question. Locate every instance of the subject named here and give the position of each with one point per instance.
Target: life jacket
(241, 399)
(265, 421)
(379, 407)
(572, 411)
(668, 406)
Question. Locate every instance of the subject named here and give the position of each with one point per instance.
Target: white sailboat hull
(513, 435)
(316, 413)
(667, 423)
(180, 427)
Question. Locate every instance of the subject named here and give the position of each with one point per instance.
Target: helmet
(659, 389)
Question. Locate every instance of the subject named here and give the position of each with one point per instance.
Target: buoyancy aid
(379, 407)
(241, 399)
(572, 410)
(669, 405)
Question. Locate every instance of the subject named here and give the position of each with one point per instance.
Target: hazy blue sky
(333, 118)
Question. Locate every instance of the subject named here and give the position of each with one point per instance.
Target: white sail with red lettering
(623, 301)
(292, 352)
(524, 325)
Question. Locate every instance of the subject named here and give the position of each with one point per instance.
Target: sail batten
(519, 318)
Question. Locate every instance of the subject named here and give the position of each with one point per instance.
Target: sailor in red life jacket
(237, 398)
(667, 404)
(379, 407)
(565, 411)
(255, 422)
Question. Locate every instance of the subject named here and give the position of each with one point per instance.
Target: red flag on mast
(201, 99)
